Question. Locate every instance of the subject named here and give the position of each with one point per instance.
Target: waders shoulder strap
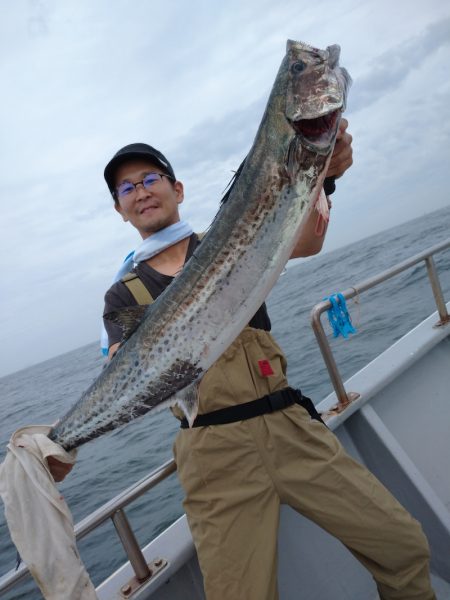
(137, 289)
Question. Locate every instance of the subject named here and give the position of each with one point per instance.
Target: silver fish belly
(230, 274)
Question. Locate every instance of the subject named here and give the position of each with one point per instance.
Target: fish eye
(298, 66)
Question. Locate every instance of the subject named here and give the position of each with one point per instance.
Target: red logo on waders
(265, 368)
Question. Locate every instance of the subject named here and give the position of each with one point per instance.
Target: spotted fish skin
(242, 255)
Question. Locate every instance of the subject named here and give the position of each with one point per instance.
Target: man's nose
(141, 191)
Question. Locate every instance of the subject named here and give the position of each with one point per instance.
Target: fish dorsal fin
(127, 318)
(232, 182)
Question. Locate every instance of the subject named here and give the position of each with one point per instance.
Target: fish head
(316, 94)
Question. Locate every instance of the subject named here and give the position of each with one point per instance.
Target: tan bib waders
(235, 477)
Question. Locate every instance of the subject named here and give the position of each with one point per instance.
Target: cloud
(38, 19)
(390, 69)
(222, 137)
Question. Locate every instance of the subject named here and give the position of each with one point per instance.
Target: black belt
(267, 404)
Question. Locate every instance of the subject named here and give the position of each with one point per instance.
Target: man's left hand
(342, 157)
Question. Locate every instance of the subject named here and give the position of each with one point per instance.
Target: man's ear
(179, 190)
(119, 210)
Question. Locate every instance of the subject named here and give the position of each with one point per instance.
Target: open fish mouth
(318, 132)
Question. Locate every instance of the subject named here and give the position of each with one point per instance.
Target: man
(236, 475)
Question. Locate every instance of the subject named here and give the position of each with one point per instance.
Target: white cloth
(151, 246)
(159, 241)
(39, 520)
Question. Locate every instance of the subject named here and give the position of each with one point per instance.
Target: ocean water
(106, 466)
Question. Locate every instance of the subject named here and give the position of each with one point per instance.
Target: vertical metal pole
(437, 290)
(328, 357)
(131, 545)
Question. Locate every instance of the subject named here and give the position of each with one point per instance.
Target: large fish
(239, 260)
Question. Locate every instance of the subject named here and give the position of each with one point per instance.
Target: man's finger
(343, 124)
(342, 145)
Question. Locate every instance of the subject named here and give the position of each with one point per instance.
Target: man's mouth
(147, 209)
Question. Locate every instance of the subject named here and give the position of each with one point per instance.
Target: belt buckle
(281, 399)
(272, 402)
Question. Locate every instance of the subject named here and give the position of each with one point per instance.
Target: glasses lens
(150, 179)
(125, 189)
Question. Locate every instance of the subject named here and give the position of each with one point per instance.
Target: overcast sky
(81, 78)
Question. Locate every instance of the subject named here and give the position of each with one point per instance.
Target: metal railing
(114, 509)
(343, 397)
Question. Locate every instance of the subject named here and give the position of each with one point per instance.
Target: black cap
(143, 151)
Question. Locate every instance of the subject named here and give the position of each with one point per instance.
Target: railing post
(437, 290)
(343, 398)
(131, 545)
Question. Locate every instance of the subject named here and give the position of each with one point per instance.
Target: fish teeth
(303, 46)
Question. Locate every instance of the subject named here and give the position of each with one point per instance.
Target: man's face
(149, 210)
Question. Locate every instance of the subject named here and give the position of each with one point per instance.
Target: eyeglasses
(127, 189)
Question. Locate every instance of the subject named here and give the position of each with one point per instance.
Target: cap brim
(116, 161)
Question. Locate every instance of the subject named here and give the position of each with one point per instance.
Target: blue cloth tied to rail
(338, 316)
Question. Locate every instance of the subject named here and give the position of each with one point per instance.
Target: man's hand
(341, 158)
(310, 243)
(58, 469)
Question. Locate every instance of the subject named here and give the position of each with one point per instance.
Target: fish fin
(334, 52)
(231, 183)
(293, 157)
(321, 206)
(323, 210)
(187, 400)
(128, 318)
